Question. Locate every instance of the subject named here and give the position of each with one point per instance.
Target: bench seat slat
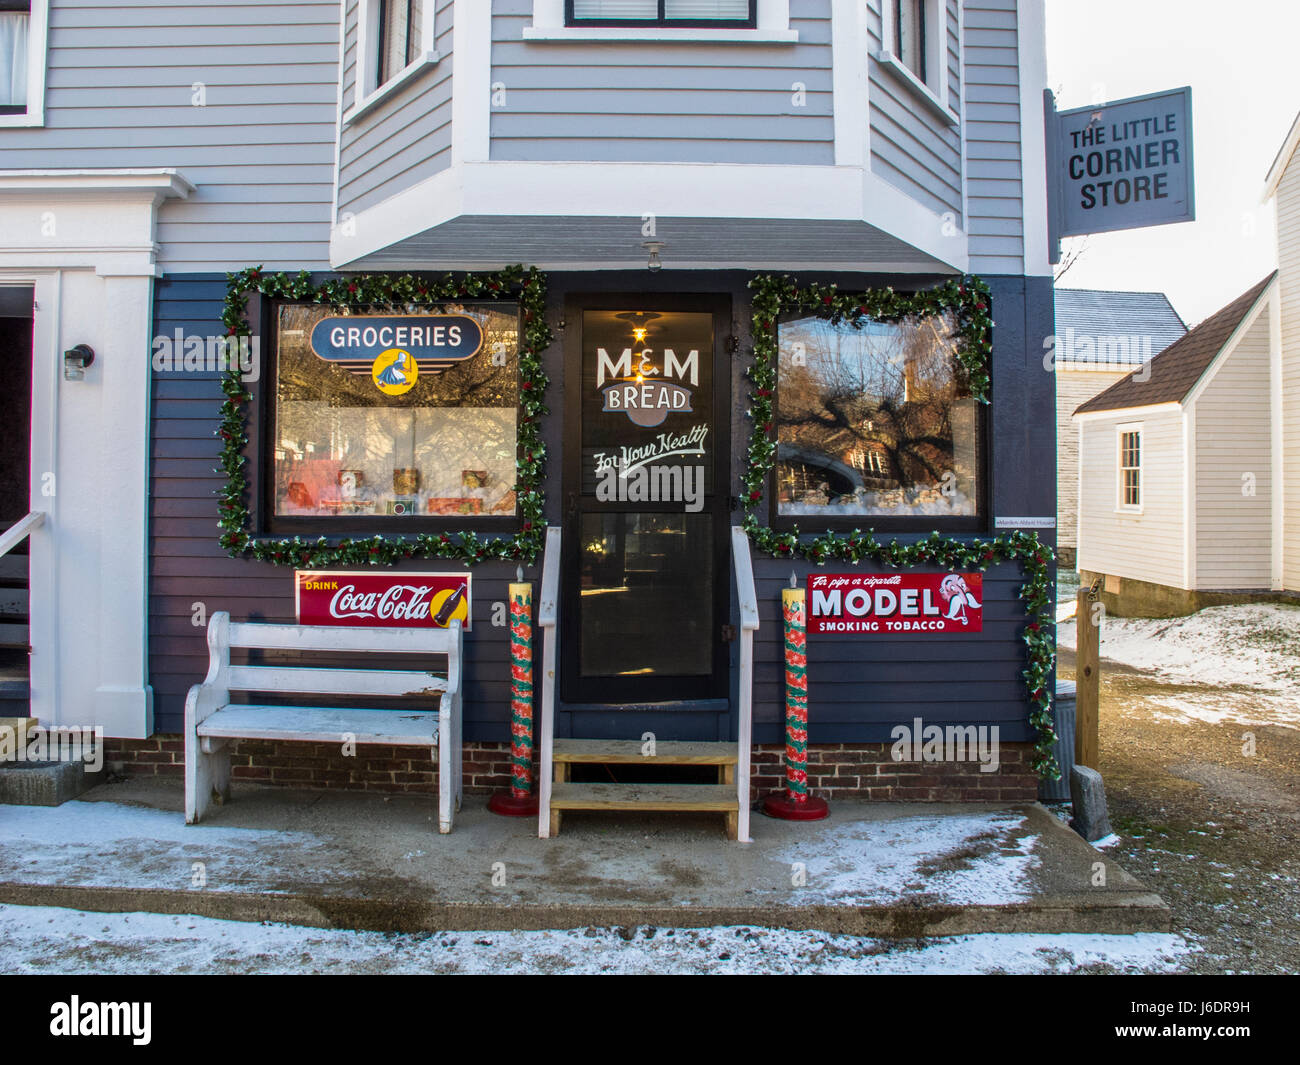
(322, 724)
(390, 682)
(339, 638)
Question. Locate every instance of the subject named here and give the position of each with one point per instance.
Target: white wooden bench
(213, 723)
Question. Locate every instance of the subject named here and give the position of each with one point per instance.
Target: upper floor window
(732, 13)
(401, 23)
(15, 55)
(909, 42)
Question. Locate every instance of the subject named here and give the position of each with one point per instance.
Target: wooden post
(1087, 679)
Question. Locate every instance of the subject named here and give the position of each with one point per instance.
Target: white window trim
(933, 94)
(773, 28)
(1120, 506)
(367, 94)
(38, 33)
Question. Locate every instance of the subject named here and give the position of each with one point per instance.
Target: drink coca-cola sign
(886, 603)
(382, 600)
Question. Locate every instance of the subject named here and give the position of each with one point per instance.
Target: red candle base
(505, 804)
(786, 809)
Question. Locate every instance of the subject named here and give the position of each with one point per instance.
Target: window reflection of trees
(873, 419)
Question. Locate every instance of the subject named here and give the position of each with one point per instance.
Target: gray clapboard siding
(407, 137)
(120, 82)
(662, 101)
(912, 148)
(993, 198)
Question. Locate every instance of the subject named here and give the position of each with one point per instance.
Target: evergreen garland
(393, 293)
(967, 302)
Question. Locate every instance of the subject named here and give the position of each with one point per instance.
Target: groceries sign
(883, 603)
(382, 600)
(433, 341)
(1126, 164)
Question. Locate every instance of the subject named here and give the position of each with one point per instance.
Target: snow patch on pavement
(40, 939)
(966, 859)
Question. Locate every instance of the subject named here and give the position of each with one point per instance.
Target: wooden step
(717, 798)
(629, 752)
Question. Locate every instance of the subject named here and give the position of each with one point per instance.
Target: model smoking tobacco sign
(379, 600)
(1126, 164)
(882, 603)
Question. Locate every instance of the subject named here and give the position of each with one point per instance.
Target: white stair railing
(547, 615)
(748, 599)
(20, 530)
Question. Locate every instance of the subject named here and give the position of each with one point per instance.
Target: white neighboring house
(1179, 506)
(1100, 336)
(1283, 186)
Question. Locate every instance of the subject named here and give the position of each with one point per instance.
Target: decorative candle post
(520, 800)
(796, 804)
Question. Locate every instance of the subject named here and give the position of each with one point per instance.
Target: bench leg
(207, 779)
(446, 785)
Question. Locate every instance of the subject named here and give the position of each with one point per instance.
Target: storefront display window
(875, 420)
(396, 416)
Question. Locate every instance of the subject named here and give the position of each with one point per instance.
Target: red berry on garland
(755, 495)
(352, 287)
(1033, 626)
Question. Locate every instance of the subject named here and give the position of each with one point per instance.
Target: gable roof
(1099, 313)
(1172, 374)
(1280, 160)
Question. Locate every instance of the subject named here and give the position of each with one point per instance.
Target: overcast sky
(1240, 59)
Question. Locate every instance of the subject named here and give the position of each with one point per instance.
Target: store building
(345, 194)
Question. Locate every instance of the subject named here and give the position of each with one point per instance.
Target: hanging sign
(368, 344)
(1126, 164)
(382, 600)
(884, 603)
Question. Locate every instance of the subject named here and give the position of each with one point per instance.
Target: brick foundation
(835, 770)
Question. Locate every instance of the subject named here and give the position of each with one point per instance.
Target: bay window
(734, 13)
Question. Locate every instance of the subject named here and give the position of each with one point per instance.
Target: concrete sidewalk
(366, 861)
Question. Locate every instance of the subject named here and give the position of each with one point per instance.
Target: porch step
(14, 635)
(631, 752)
(720, 798)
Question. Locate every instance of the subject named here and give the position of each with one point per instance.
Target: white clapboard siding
(1146, 546)
(405, 138)
(1073, 387)
(1233, 427)
(1288, 255)
(241, 98)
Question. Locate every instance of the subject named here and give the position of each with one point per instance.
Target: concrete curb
(1119, 913)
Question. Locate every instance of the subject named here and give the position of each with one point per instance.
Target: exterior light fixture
(76, 360)
(653, 264)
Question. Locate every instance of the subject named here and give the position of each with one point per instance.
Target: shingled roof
(1102, 313)
(1174, 372)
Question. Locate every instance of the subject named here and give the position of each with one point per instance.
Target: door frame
(573, 688)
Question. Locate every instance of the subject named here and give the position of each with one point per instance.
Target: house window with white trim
(1130, 468)
(15, 55)
(909, 43)
(730, 13)
(401, 24)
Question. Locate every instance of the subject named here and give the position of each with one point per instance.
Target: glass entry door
(646, 517)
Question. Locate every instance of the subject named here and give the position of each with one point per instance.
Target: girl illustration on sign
(958, 596)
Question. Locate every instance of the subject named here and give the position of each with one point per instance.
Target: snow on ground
(71, 844)
(971, 858)
(1253, 645)
(38, 939)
